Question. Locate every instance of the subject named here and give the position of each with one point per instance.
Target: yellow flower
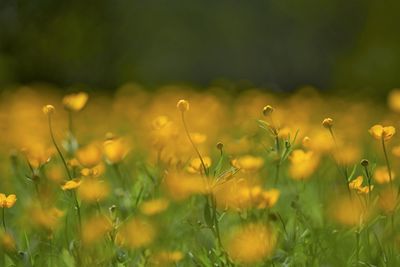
(378, 132)
(183, 105)
(356, 184)
(166, 258)
(269, 198)
(48, 219)
(89, 156)
(95, 228)
(195, 165)
(136, 233)
(388, 200)
(48, 109)
(75, 102)
(349, 212)
(115, 150)
(154, 206)
(303, 164)
(93, 190)
(248, 163)
(7, 201)
(381, 175)
(71, 184)
(394, 100)
(251, 243)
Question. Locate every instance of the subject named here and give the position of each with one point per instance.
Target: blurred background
(277, 44)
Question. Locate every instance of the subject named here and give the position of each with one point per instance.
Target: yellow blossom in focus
(7, 201)
(115, 150)
(136, 233)
(378, 132)
(154, 206)
(93, 190)
(381, 175)
(394, 100)
(75, 102)
(251, 243)
(71, 184)
(302, 164)
(95, 228)
(195, 165)
(356, 184)
(248, 163)
(93, 172)
(396, 151)
(89, 156)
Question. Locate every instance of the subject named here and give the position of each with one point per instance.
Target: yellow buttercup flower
(394, 100)
(195, 165)
(378, 132)
(248, 163)
(115, 150)
(356, 184)
(89, 156)
(381, 175)
(7, 201)
(72, 184)
(75, 102)
(154, 206)
(136, 233)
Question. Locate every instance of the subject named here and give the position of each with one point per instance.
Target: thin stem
(357, 247)
(70, 123)
(387, 163)
(4, 219)
(57, 148)
(194, 146)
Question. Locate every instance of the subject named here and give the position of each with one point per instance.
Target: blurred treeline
(278, 44)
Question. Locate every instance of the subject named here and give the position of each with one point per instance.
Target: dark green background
(280, 44)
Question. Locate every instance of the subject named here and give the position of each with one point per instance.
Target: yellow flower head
(93, 190)
(381, 175)
(388, 200)
(394, 100)
(154, 206)
(349, 212)
(89, 156)
(95, 228)
(166, 258)
(48, 109)
(248, 163)
(303, 164)
(183, 105)
(115, 150)
(71, 184)
(356, 184)
(195, 165)
(75, 102)
(7, 201)
(251, 243)
(378, 132)
(136, 233)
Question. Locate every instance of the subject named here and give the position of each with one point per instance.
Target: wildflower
(303, 164)
(180, 186)
(7, 201)
(7, 242)
(349, 212)
(136, 233)
(248, 163)
(154, 206)
(48, 109)
(183, 105)
(89, 156)
(46, 218)
(71, 184)
(251, 243)
(75, 102)
(394, 100)
(388, 201)
(327, 123)
(95, 228)
(115, 150)
(356, 184)
(269, 198)
(379, 132)
(195, 165)
(381, 175)
(166, 258)
(93, 190)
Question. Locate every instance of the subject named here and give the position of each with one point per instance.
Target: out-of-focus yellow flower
(93, 172)
(154, 206)
(248, 163)
(198, 138)
(89, 156)
(71, 184)
(381, 175)
(136, 233)
(183, 105)
(7, 201)
(93, 190)
(388, 200)
(55, 173)
(115, 150)
(269, 198)
(195, 165)
(347, 155)
(348, 212)
(75, 102)
(166, 258)
(394, 100)
(7, 242)
(303, 164)
(48, 109)
(180, 185)
(38, 155)
(48, 219)
(378, 132)
(251, 243)
(396, 151)
(95, 228)
(356, 184)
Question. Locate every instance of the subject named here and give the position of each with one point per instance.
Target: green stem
(387, 163)
(4, 219)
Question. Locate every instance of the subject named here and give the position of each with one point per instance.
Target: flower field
(179, 177)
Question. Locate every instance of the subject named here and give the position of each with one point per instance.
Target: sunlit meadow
(178, 177)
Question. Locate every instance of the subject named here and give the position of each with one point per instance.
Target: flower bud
(267, 110)
(183, 105)
(327, 123)
(48, 109)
